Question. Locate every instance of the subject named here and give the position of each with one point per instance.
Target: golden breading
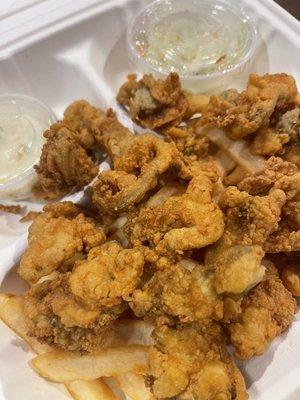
(192, 220)
(284, 176)
(292, 154)
(291, 214)
(266, 311)
(283, 240)
(242, 114)
(191, 362)
(237, 268)
(84, 120)
(290, 276)
(11, 209)
(154, 103)
(109, 275)
(188, 141)
(281, 87)
(54, 316)
(249, 220)
(58, 237)
(261, 183)
(268, 141)
(64, 164)
(183, 291)
(136, 172)
(112, 136)
(75, 310)
(96, 129)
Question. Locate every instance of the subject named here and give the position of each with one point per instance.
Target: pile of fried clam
(194, 229)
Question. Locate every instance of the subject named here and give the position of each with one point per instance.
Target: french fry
(224, 162)
(133, 386)
(235, 176)
(60, 366)
(12, 314)
(237, 150)
(162, 195)
(90, 390)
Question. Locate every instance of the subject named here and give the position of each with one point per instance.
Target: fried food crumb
(11, 209)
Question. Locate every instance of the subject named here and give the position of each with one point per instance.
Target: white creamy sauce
(192, 43)
(21, 138)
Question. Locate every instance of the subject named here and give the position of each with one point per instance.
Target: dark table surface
(292, 6)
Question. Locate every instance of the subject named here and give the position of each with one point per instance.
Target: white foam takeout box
(62, 50)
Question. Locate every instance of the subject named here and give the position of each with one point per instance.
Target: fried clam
(54, 316)
(181, 291)
(75, 310)
(64, 164)
(290, 276)
(241, 114)
(265, 312)
(249, 220)
(189, 221)
(284, 176)
(136, 172)
(109, 275)
(154, 103)
(261, 182)
(191, 362)
(57, 238)
(283, 240)
(286, 133)
(292, 154)
(96, 129)
(188, 141)
(84, 119)
(287, 237)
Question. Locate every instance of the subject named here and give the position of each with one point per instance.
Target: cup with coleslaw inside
(23, 119)
(207, 42)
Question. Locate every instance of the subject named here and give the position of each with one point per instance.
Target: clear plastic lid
(23, 120)
(204, 41)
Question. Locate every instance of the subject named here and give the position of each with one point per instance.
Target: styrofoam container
(61, 50)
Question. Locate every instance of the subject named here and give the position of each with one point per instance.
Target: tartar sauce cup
(207, 42)
(23, 120)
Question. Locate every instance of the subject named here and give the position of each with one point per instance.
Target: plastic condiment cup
(206, 25)
(19, 187)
